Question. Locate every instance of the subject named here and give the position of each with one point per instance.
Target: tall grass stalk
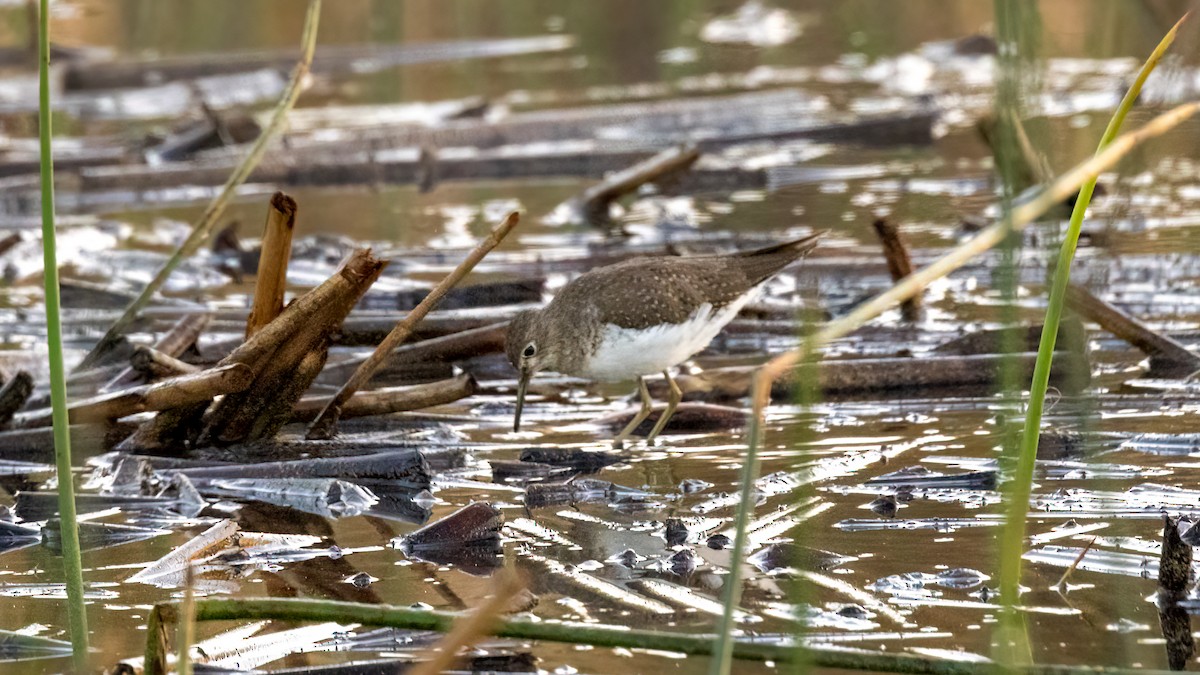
(1018, 27)
(1017, 219)
(208, 221)
(731, 595)
(1012, 542)
(72, 562)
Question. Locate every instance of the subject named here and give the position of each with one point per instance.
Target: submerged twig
(326, 423)
(208, 220)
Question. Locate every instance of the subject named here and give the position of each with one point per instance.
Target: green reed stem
(1017, 28)
(204, 227)
(72, 562)
(723, 645)
(1012, 543)
(292, 609)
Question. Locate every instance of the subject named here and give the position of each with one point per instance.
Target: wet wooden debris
(506, 471)
(295, 360)
(214, 131)
(483, 294)
(1168, 358)
(407, 468)
(843, 377)
(1175, 573)
(279, 362)
(583, 490)
(178, 339)
(689, 418)
(593, 204)
(899, 262)
(476, 524)
(13, 395)
(153, 365)
(1175, 576)
(176, 392)
(788, 556)
(389, 400)
(271, 280)
(1072, 337)
(581, 461)
(458, 346)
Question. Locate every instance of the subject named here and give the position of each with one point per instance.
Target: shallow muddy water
(917, 578)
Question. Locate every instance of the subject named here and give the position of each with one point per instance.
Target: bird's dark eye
(529, 351)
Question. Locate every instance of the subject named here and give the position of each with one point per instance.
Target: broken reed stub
(1175, 561)
(477, 524)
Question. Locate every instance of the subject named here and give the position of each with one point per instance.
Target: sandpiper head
(525, 353)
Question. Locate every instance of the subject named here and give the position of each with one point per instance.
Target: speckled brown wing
(646, 292)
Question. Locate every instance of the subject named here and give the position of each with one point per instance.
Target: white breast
(627, 353)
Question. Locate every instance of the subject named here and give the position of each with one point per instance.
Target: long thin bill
(522, 385)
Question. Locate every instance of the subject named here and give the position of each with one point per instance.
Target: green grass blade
(731, 595)
(1012, 541)
(72, 563)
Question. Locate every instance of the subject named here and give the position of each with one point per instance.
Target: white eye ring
(529, 351)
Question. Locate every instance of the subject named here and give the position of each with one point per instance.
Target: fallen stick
(325, 424)
(173, 343)
(153, 364)
(592, 205)
(860, 376)
(173, 393)
(899, 263)
(407, 467)
(271, 280)
(391, 400)
(1168, 358)
(1072, 337)
(454, 347)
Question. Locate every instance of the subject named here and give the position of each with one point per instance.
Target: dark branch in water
(592, 206)
(1168, 358)
(860, 376)
(899, 263)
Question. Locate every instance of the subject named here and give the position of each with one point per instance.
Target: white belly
(627, 353)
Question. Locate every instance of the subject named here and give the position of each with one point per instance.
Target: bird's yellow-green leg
(673, 400)
(647, 404)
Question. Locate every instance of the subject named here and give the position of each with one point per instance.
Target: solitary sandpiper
(639, 317)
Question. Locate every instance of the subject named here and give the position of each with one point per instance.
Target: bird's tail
(763, 263)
